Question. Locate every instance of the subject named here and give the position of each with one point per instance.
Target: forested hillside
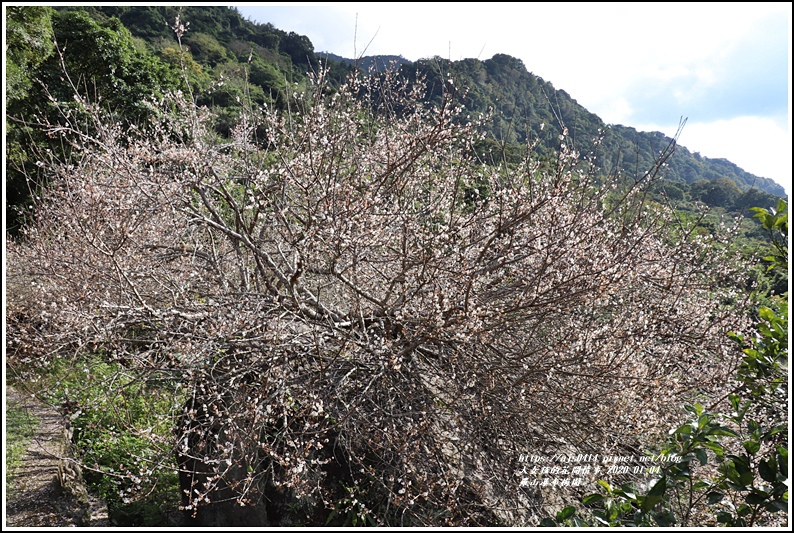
(127, 52)
(523, 102)
(269, 293)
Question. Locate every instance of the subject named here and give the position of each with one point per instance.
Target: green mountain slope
(523, 102)
(366, 63)
(268, 65)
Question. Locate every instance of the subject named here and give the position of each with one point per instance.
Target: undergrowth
(114, 415)
(20, 427)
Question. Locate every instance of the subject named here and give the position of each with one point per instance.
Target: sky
(726, 67)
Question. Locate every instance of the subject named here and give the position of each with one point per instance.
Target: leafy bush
(747, 484)
(122, 429)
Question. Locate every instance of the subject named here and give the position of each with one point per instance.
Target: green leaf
(723, 431)
(628, 490)
(696, 409)
(612, 511)
(744, 510)
(742, 465)
(782, 460)
(592, 499)
(566, 513)
(664, 519)
(736, 401)
(768, 470)
(729, 469)
(714, 497)
(625, 507)
(701, 455)
(578, 522)
(715, 447)
(680, 470)
(331, 516)
(752, 446)
(606, 485)
(655, 494)
(548, 522)
(783, 451)
(775, 506)
(757, 498)
(702, 484)
(782, 428)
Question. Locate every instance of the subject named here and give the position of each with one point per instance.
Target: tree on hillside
(102, 62)
(720, 192)
(361, 322)
(29, 41)
(300, 49)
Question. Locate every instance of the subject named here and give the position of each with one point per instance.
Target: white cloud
(618, 109)
(758, 145)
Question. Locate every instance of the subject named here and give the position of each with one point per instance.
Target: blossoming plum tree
(370, 323)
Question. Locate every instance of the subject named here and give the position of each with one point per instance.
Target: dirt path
(39, 498)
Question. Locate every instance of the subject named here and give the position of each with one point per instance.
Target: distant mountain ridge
(523, 102)
(269, 64)
(379, 63)
(130, 52)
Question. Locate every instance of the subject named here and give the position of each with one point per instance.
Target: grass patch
(20, 428)
(122, 433)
